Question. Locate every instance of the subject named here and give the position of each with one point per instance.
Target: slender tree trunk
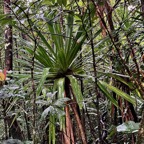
(79, 123)
(8, 38)
(69, 128)
(76, 111)
(68, 132)
(14, 128)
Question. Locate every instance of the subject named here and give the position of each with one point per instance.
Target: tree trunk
(68, 132)
(14, 128)
(8, 38)
(79, 123)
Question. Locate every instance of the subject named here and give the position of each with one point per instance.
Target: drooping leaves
(42, 81)
(118, 92)
(76, 90)
(107, 94)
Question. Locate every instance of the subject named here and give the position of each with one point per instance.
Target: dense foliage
(74, 71)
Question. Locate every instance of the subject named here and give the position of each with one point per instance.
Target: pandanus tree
(59, 57)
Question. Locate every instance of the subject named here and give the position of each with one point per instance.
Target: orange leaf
(2, 76)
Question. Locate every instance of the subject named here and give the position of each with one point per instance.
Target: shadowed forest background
(72, 71)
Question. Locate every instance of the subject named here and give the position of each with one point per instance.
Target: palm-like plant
(59, 58)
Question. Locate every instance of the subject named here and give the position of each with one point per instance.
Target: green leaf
(56, 35)
(62, 122)
(61, 102)
(59, 86)
(41, 83)
(69, 28)
(119, 92)
(64, 2)
(75, 48)
(128, 127)
(45, 62)
(53, 130)
(120, 78)
(46, 2)
(61, 60)
(48, 110)
(107, 94)
(53, 1)
(43, 56)
(52, 126)
(44, 40)
(111, 132)
(76, 90)
(60, 2)
(102, 41)
(59, 35)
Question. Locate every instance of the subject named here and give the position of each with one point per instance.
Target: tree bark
(68, 132)
(14, 128)
(79, 123)
(8, 38)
